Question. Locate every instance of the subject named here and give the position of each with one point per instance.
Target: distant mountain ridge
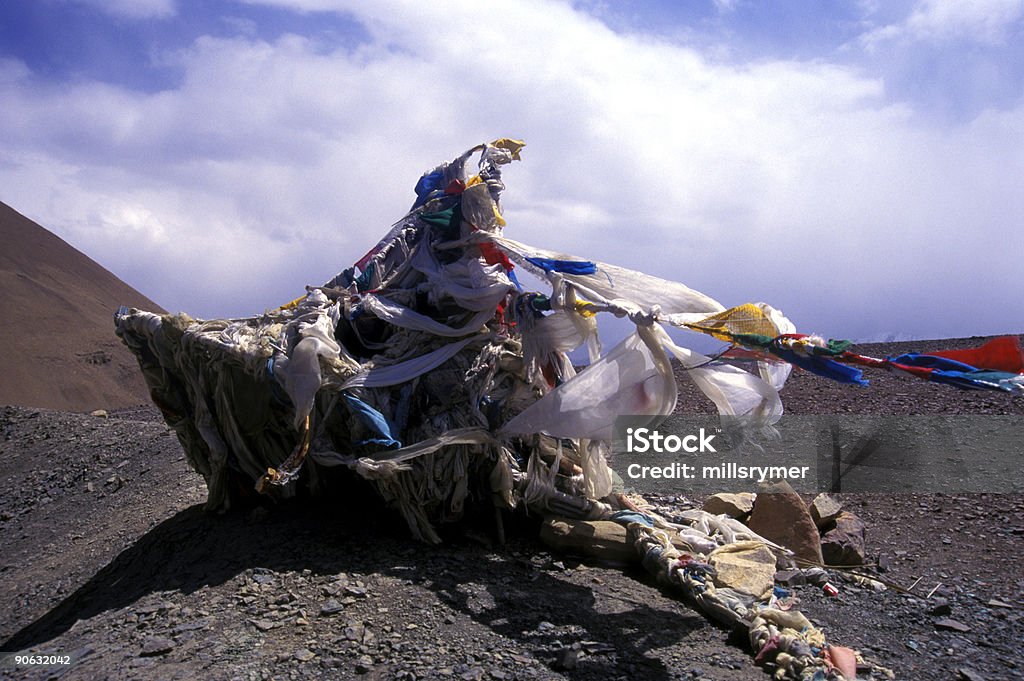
(56, 324)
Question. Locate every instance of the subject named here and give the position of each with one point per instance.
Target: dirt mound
(60, 351)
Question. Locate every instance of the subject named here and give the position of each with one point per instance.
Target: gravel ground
(110, 562)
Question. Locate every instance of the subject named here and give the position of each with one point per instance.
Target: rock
(331, 607)
(157, 645)
(781, 516)
(884, 563)
(844, 543)
(824, 509)
(947, 624)
(597, 538)
(566, 659)
(790, 577)
(966, 674)
(191, 626)
(364, 664)
(745, 566)
(263, 625)
(100, 413)
(940, 606)
(596, 647)
(732, 505)
(304, 655)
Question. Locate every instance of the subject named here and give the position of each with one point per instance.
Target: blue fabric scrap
(374, 421)
(627, 517)
(956, 374)
(364, 280)
(427, 184)
(821, 366)
(913, 359)
(564, 266)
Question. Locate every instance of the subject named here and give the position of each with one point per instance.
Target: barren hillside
(60, 351)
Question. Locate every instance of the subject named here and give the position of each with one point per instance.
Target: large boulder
(780, 515)
(844, 544)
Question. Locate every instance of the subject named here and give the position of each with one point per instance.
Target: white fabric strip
(401, 372)
(406, 318)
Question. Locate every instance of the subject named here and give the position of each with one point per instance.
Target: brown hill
(57, 305)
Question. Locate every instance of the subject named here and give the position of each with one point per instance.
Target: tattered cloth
(426, 370)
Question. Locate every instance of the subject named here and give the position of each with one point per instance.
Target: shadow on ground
(195, 549)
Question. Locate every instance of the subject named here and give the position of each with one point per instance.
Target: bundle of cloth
(426, 365)
(428, 372)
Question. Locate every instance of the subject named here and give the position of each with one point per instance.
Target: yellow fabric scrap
(510, 145)
(294, 303)
(746, 318)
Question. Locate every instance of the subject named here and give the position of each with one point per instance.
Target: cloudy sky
(850, 162)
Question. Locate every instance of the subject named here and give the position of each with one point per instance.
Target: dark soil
(109, 559)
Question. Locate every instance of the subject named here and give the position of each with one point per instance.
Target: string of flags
(995, 365)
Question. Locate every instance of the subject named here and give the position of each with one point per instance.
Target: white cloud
(276, 164)
(987, 22)
(134, 9)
